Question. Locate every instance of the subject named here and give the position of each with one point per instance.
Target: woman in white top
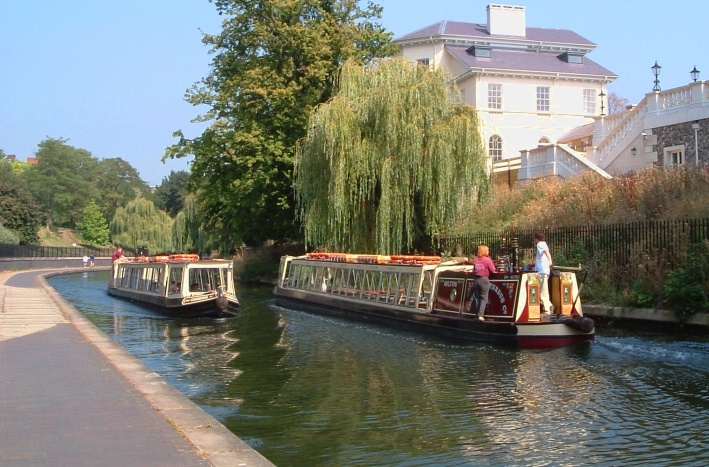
(542, 265)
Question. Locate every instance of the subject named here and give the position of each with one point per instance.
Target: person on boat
(174, 287)
(117, 254)
(482, 268)
(542, 264)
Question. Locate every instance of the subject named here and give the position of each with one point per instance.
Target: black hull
(173, 307)
(538, 335)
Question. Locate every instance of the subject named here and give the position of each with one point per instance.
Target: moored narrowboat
(176, 285)
(423, 293)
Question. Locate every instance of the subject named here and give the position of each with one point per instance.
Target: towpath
(70, 396)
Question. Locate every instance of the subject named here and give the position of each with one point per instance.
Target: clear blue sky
(110, 75)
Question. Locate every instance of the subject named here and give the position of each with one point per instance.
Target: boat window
(357, 283)
(337, 286)
(204, 279)
(293, 274)
(175, 280)
(320, 281)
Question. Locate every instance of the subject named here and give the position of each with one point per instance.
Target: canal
(309, 390)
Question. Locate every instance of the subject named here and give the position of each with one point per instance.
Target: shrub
(686, 290)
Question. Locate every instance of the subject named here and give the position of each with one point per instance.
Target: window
(495, 148)
(589, 101)
(480, 51)
(494, 96)
(674, 156)
(422, 61)
(542, 99)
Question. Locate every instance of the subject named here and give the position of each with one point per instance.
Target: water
(309, 390)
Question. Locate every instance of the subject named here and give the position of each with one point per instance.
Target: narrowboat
(425, 294)
(176, 285)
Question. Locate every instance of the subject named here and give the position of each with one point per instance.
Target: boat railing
(400, 284)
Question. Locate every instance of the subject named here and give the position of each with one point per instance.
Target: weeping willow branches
(387, 159)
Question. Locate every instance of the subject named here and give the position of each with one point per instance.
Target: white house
(541, 101)
(530, 86)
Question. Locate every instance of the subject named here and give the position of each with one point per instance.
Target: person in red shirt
(483, 267)
(117, 254)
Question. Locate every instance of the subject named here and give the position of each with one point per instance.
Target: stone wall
(683, 134)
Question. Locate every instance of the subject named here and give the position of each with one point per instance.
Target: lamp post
(695, 127)
(694, 73)
(602, 95)
(656, 71)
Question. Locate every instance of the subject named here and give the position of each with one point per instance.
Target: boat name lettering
(501, 296)
(451, 283)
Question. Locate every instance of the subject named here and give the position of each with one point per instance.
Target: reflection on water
(302, 388)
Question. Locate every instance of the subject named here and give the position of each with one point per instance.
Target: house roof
(475, 30)
(513, 60)
(577, 133)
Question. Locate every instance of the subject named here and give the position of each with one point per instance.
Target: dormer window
(483, 51)
(570, 57)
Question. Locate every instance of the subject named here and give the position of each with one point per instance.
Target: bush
(686, 289)
(8, 237)
(258, 271)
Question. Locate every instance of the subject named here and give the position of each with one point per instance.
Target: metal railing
(611, 244)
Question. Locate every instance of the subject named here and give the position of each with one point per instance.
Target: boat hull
(175, 307)
(551, 334)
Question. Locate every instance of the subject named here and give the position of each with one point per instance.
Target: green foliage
(172, 191)
(687, 288)
(387, 160)
(93, 227)
(18, 209)
(62, 181)
(139, 224)
(259, 271)
(117, 183)
(66, 178)
(186, 232)
(8, 237)
(273, 63)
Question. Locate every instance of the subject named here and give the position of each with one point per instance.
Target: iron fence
(37, 251)
(610, 244)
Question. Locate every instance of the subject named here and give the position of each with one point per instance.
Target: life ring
(184, 257)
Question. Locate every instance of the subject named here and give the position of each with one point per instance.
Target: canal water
(309, 390)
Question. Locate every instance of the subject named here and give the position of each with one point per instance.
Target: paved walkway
(70, 396)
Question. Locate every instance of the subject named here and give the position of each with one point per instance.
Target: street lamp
(656, 71)
(634, 151)
(694, 73)
(602, 95)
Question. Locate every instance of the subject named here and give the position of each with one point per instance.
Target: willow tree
(140, 224)
(386, 161)
(187, 234)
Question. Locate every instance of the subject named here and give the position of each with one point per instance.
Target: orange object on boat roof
(184, 257)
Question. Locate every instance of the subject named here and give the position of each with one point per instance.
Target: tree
(187, 234)
(19, 212)
(93, 228)
(172, 191)
(118, 183)
(139, 225)
(273, 64)
(62, 181)
(386, 161)
(616, 104)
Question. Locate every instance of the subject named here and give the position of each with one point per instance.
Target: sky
(110, 76)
